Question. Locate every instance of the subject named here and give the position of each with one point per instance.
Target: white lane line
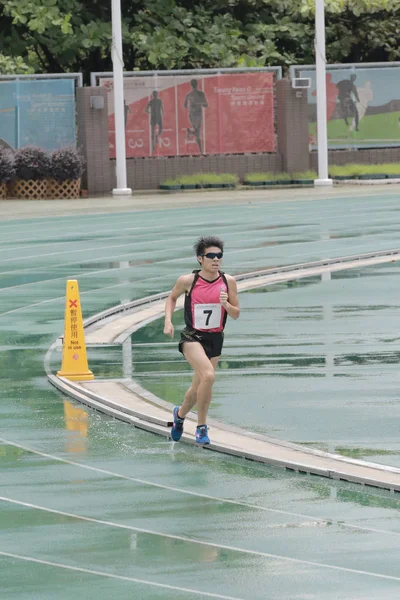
(335, 216)
(358, 196)
(253, 249)
(208, 544)
(316, 522)
(265, 554)
(156, 533)
(195, 494)
(90, 225)
(125, 283)
(129, 231)
(105, 248)
(94, 291)
(108, 258)
(112, 576)
(327, 212)
(153, 263)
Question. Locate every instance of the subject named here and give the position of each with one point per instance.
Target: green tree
(75, 35)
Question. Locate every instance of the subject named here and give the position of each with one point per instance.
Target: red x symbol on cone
(73, 303)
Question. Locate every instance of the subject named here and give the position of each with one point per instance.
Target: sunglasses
(213, 255)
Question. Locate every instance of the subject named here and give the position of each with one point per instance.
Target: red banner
(182, 115)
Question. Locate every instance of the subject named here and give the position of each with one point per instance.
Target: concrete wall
(292, 127)
(93, 140)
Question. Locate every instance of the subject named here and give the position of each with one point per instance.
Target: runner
(348, 97)
(195, 101)
(156, 111)
(211, 295)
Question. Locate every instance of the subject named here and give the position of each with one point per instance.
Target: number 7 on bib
(207, 316)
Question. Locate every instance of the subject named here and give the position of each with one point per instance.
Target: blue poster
(38, 112)
(8, 114)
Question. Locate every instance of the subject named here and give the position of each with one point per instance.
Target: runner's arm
(179, 288)
(230, 300)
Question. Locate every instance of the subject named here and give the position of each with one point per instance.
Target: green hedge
(204, 179)
(355, 170)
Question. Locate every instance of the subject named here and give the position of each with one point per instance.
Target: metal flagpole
(320, 65)
(119, 109)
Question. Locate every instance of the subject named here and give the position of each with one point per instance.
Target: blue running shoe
(202, 435)
(177, 427)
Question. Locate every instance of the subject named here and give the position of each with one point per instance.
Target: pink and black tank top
(203, 310)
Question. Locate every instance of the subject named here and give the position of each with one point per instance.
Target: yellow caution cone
(74, 359)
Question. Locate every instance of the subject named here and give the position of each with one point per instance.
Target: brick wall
(149, 173)
(372, 156)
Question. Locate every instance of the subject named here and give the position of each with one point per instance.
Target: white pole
(119, 109)
(320, 65)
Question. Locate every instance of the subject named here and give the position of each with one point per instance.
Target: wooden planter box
(63, 190)
(270, 182)
(30, 189)
(164, 186)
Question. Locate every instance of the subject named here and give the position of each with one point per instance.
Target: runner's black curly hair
(206, 242)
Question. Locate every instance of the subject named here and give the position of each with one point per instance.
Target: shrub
(350, 170)
(204, 179)
(305, 175)
(66, 163)
(356, 170)
(7, 165)
(254, 177)
(32, 163)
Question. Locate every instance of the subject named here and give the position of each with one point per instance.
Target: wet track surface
(313, 361)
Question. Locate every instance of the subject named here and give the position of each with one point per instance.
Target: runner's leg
(190, 397)
(204, 369)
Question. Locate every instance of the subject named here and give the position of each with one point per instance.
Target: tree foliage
(75, 35)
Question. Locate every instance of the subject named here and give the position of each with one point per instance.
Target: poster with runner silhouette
(192, 115)
(363, 107)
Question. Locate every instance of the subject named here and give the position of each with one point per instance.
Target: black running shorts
(211, 341)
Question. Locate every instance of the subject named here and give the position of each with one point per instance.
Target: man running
(156, 111)
(195, 101)
(347, 90)
(211, 296)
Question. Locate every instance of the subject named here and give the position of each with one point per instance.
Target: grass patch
(204, 179)
(355, 170)
(305, 175)
(346, 170)
(373, 129)
(256, 177)
(269, 176)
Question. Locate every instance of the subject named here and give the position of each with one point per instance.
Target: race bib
(207, 316)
